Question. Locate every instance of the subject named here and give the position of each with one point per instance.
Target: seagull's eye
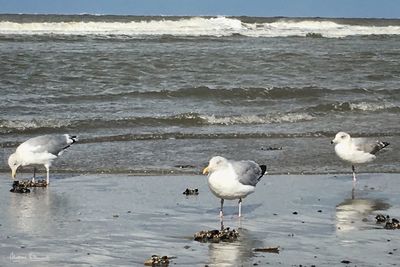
(343, 137)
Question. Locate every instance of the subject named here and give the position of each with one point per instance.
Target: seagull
(42, 149)
(233, 179)
(356, 150)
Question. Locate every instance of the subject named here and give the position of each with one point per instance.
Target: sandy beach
(153, 98)
(121, 220)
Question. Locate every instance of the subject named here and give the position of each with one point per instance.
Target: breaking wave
(195, 26)
(257, 119)
(185, 119)
(360, 106)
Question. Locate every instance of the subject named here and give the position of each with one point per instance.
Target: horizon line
(220, 15)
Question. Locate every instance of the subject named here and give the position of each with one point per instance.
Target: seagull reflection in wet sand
(236, 253)
(351, 213)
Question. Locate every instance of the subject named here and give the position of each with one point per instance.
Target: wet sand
(121, 220)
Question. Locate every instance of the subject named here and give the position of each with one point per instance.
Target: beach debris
(156, 260)
(216, 236)
(190, 191)
(22, 186)
(271, 148)
(390, 223)
(268, 249)
(32, 183)
(18, 187)
(187, 166)
(380, 218)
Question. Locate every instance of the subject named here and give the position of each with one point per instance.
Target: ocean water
(164, 94)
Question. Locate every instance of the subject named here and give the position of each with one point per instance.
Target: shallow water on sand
(103, 220)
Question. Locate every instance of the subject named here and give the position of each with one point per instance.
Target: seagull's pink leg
(240, 207)
(354, 173)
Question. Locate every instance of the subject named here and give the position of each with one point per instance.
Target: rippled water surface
(151, 94)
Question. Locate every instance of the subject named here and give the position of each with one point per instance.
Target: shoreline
(137, 173)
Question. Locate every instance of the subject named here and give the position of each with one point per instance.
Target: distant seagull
(40, 150)
(233, 179)
(356, 150)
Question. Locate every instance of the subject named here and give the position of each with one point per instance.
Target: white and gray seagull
(233, 179)
(356, 150)
(42, 149)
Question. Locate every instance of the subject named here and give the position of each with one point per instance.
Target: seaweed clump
(216, 236)
(390, 223)
(24, 185)
(268, 249)
(156, 260)
(190, 191)
(18, 187)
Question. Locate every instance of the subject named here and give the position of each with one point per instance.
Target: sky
(259, 8)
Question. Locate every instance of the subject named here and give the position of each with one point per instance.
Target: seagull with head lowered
(356, 150)
(233, 179)
(40, 150)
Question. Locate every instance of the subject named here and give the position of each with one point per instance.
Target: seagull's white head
(340, 138)
(215, 163)
(14, 163)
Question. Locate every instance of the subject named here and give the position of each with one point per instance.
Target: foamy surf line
(197, 26)
(185, 119)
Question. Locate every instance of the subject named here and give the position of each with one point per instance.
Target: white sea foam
(257, 119)
(364, 106)
(197, 26)
(21, 125)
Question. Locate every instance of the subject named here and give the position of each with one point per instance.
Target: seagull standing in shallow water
(356, 150)
(233, 179)
(40, 150)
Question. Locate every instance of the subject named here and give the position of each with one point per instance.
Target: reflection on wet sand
(35, 212)
(238, 253)
(351, 212)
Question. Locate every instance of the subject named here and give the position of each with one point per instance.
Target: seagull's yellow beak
(206, 170)
(13, 173)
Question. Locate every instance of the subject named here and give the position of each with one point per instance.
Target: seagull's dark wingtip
(379, 146)
(263, 170)
(385, 144)
(74, 138)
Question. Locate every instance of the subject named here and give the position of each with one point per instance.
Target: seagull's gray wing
(369, 146)
(248, 172)
(53, 144)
